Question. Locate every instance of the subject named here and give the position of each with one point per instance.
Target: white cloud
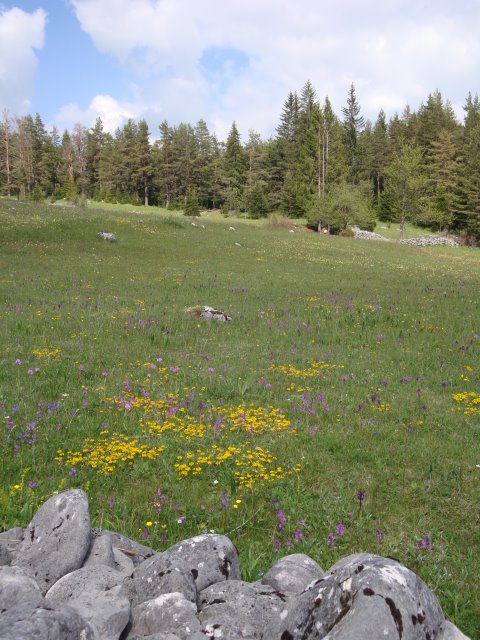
(395, 52)
(112, 113)
(20, 34)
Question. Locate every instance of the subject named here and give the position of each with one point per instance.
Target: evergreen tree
(95, 142)
(192, 207)
(353, 125)
(467, 212)
(143, 167)
(235, 167)
(6, 169)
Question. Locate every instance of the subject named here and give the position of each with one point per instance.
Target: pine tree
(6, 169)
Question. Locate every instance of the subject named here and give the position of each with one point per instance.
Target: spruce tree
(353, 125)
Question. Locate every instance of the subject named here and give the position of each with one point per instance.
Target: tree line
(420, 166)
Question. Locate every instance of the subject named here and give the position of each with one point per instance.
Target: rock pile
(431, 241)
(62, 580)
(361, 234)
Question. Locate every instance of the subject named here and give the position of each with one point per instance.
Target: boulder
(57, 539)
(167, 613)
(134, 550)
(16, 586)
(164, 573)
(293, 573)
(9, 541)
(237, 609)
(358, 590)
(96, 592)
(45, 620)
(210, 558)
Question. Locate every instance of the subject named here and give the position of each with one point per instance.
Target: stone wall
(61, 579)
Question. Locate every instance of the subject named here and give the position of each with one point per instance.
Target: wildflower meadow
(337, 412)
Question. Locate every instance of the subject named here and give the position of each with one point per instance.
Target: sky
(230, 60)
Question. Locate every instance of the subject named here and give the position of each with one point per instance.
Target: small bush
(347, 233)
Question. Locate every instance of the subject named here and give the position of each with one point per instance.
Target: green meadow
(338, 412)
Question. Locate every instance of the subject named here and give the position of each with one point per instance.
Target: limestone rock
(167, 613)
(449, 631)
(16, 586)
(207, 313)
(210, 557)
(100, 552)
(293, 573)
(356, 591)
(134, 550)
(97, 594)
(237, 609)
(106, 235)
(57, 539)
(164, 573)
(9, 541)
(44, 620)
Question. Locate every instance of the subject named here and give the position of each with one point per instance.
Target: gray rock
(123, 563)
(168, 613)
(361, 591)
(163, 574)
(100, 552)
(57, 539)
(16, 586)
(237, 609)
(134, 550)
(292, 574)
(210, 557)
(163, 636)
(449, 631)
(5, 555)
(98, 594)
(45, 621)
(9, 541)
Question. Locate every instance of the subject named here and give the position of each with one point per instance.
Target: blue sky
(182, 60)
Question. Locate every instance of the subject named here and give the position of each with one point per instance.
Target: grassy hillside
(345, 391)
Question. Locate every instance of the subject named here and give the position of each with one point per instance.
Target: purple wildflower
(182, 519)
(361, 496)
(104, 374)
(224, 499)
(330, 542)
(276, 544)
(424, 543)
(218, 424)
(379, 535)
(18, 362)
(298, 535)
(211, 370)
(340, 530)
(174, 369)
(281, 519)
(145, 534)
(32, 484)
(30, 372)
(73, 472)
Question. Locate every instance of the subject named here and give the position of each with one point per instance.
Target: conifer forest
(333, 169)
